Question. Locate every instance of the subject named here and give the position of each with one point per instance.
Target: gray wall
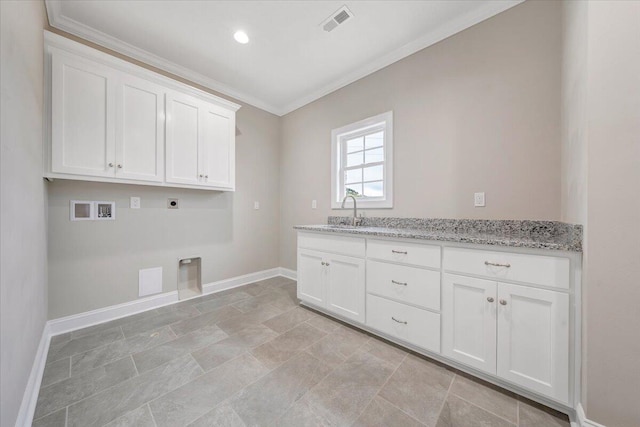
(95, 264)
(479, 111)
(23, 265)
(610, 134)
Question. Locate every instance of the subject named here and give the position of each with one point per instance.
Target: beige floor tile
(55, 419)
(381, 413)
(419, 388)
(345, 392)
(56, 371)
(535, 415)
(140, 417)
(487, 396)
(282, 348)
(459, 413)
(288, 320)
(221, 416)
(196, 398)
(264, 401)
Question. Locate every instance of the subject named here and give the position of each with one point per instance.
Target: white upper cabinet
(184, 136)
(200, 143)
(82, 117)
(113, 121)
(139, 130)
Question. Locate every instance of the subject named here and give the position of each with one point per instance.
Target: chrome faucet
(355, 221)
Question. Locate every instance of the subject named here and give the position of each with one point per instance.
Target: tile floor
(252, 357)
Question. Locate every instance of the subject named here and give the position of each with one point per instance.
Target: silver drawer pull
(490, 299)
(399, 252)
(399, 321)
(497, 264)
(399, 283)
(503, 302)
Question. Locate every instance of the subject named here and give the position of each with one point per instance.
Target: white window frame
(339, 136)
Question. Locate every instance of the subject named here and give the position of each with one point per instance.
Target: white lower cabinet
(411, 324)
(333, 282)
(519, 333)
(469, 321)
(533, 339)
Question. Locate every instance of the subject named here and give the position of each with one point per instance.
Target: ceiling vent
(338, 17)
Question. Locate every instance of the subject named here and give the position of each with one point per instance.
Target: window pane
(375, 140)
(353, 175)
(354, 190)
(373, 189)
(354, 159)
(376, 155)
(374, 173)
(355, 144)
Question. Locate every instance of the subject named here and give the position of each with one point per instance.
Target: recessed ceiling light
(241, 37)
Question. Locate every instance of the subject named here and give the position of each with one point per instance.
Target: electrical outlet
(314, 204)
(256, 205)
(478, 200)
(134, 202)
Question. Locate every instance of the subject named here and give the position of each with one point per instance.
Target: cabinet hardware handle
(503, 302)
(322, 263)
(327, 264)
(119, 166)
(399, 252)
(110, 165)
(201, 175)
(399, 321)
(497, 264)
(490, 299)
(399, 283)
(206, 177)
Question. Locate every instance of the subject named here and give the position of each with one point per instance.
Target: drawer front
(411, 324)
(406, 284)
(406, 253)
(534, 269)
(350, 246)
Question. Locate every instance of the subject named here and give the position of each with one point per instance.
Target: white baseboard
(288, 273)
(30, 396)
(582, 418)
(106, 314)
(234, 282)
(113, 312)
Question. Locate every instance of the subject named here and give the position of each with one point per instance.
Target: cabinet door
(469, 321)
(183, 136)
(139, 130)
(311, 277)
(346, 286)
(217, 147)
(533, 339)
(82, 117)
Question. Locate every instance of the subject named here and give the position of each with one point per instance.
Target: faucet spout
(355, 221)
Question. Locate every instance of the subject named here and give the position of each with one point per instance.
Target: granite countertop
(549, 235)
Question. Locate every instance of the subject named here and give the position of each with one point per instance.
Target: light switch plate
(478, 200)
(314, 204)
(134, 202)
(256, 205)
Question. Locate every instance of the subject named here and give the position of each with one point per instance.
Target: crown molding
(61, 22)
(57, 20)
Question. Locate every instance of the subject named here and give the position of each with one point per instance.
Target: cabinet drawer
(350, 246)
(406, 253)
(413, 325)
(407, 284)
(535, 269)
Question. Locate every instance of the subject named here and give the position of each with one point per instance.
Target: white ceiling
(290, 61)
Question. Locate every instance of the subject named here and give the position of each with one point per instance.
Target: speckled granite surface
(551, 235)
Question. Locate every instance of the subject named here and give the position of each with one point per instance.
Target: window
(361, 158)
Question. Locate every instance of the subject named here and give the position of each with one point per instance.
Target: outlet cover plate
(478, 200)
(149, 281)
